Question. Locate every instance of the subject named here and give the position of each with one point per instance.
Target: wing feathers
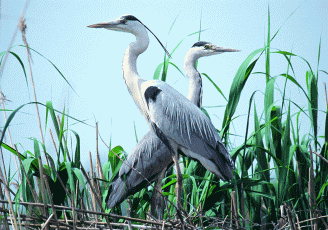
(184, 123)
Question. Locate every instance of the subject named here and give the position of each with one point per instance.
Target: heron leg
(157, 199)
(178, 186)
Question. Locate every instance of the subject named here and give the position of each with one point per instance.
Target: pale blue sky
(91, 59)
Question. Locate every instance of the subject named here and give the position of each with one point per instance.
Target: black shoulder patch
(151, 93)
(202, 43)
(161, 136)
(130, 17)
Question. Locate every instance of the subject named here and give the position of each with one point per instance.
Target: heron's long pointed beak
(222, 49)
(107, 25)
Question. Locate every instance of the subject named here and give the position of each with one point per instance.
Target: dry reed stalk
(313, 204)
(224, 221)
(317, 211)
(1, 70)
(45, 225)
(22, 27)
(118, 225)
(86, 215)
(11, 210)
(310, 198)
(37, 226)
(3, 163)
(201, 214)
(91, 212)
(93, 200)
(326, 100)
(319, 155)
(242, 203)
(3, 207)
(128, 212)
(303, 221)
(93, 185)
(234, 209)
(11, 144)
(16, 164)
(298, 222)
(321, 218)
(65, 216)
(289, 216)
(13, 39)
(99, 168)
(97, 199)
(45, 209)
(281, 221)
(53, 141)
(51, 202)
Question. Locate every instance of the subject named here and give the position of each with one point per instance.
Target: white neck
(195, 81)
(129, 65)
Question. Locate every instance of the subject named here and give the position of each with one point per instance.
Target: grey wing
(186, 124)
(149, 157)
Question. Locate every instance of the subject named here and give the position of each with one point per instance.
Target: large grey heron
(176, 121)
(151, 157)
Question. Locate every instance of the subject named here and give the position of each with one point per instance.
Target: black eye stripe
(197, 44)
(130, 18)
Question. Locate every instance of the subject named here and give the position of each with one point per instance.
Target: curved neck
(129, 65)
(195, 81)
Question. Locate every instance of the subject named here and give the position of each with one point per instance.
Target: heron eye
(206, 46)
(125, 20)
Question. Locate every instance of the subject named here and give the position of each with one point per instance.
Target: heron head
(127, 23)
(202, 49)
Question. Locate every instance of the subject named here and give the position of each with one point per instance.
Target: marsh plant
(280, 178)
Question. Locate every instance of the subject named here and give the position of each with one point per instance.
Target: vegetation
(281, 176)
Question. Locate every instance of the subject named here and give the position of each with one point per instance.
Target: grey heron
(150, 156)
(176, 121)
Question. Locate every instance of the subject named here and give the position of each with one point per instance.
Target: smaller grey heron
(178, 123)
(151, 157)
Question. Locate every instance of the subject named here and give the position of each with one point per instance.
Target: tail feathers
(224, 162)
(227, 158)
(117, 193)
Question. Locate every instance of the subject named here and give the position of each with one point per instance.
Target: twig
(91, 212)
(224, 221)
(319, 155)
(46, 223)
